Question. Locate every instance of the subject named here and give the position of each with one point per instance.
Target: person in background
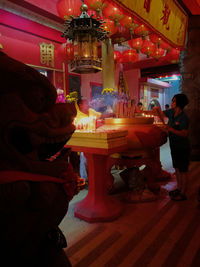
(131, 109)
(83, 105)
(152, 106)
(83, 110)
(139, 107)
(109, 113)
(178, 124)
(166, 106)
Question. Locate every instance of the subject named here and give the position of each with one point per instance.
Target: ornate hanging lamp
(85, 32)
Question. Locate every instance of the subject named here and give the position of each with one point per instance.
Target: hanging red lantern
(110, 27)
(113, 13)
(148, 48)
(136, 43)
(154, 38)
(129, 23)
(117, 55)
(159, 52)
(69, 52)
(67, 8)
(129, 55)
(96, 5)
(173, 55)
(166, 46)
(142, 31)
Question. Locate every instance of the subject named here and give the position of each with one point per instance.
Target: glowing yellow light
(85, 123)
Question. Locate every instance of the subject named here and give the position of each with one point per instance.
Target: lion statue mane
(35, 186)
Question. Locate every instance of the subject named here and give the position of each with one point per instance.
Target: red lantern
(159, 52)
(69, 52)
(148, 48)
(129, 55)
(110, 27)
(166, 46)
(136, 43)
(67, 8)
(117, 55)
(129, 23)
(113, 13)
(96, 5)
(173, 55)
(142, 31)
(154, 38)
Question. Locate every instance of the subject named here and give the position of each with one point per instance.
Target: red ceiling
(193, 6)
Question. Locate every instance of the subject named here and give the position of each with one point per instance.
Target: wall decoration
(47, 54)
(154, 93)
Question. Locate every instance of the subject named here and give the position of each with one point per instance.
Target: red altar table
(98, 205)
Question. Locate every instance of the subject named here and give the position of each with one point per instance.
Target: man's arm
(182, 133)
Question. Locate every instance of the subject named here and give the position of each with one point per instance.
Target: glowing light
(174, 77)
(85, 123)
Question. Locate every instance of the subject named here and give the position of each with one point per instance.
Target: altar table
(98, 205)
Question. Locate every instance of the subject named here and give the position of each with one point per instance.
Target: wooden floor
(160, 233)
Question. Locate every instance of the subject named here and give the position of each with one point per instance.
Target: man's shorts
(181, 159)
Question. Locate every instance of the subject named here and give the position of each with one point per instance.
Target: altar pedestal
(98, 206)
(143, 141)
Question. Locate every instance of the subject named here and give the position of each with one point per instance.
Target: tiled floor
(159, 233)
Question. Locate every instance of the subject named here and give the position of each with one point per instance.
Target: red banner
(166, 17)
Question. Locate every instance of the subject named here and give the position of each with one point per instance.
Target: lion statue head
(33, 127)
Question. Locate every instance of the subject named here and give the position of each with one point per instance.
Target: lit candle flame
(85, 123)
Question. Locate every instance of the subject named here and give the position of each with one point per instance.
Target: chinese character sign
(147, 5)
(47, 54)
(164, 16)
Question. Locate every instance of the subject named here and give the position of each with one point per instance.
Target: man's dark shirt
(180, 122)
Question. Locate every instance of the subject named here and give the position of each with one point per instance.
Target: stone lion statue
(35, 186)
